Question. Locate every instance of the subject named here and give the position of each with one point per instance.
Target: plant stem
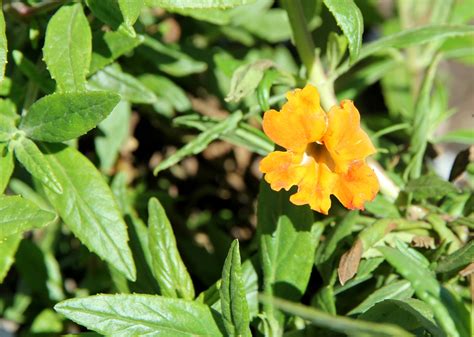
(301, 34)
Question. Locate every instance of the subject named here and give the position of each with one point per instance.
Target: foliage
(131, 201)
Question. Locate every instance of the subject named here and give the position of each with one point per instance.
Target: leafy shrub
(133, 200)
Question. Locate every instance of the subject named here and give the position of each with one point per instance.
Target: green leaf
(423, 121)
(429, 186)
(197, 3)
(261, 23)
(140, 315)
(30, 70)
(20, 187)
(461, 136)
(18, 215)
(245, 135)
(108, 46)
(341, 324)
(444, 232)
(67, 48)
(127, 86)
(6, 166)
(211, 296)
(40, 271)
(287, 244)
(234, 306)
(115, 132)
(201, 141)
(426, 286)
(335, 50)
(8, 120)
(130, 10)
(246, 79)
(415, 36)
(8, 248)
(349, 18)
(88, 207)
(396, 290)
(3, 47)
(170, 60)
(406, 38)
(28, 154)
(168, 268)
(109, 12)
(457, 260)
(381, 207)
(166, 89)
(325, 252)
(60, 117)
(401, 313)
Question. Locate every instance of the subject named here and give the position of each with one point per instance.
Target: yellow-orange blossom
(325, 152)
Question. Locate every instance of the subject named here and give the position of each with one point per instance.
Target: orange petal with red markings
(315, 188)
(344, 138)
(300, 121)
(282, 169)
(357, 186)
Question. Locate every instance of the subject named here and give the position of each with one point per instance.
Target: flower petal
(357, 186)
(315, 188)
(282, 169)
(344, 138)
(300, 121)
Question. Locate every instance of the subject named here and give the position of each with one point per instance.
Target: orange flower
(325, 152)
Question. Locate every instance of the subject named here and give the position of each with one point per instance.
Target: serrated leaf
(67, 48)
(211, 296)
(6, 166)
(88, 207)
(18, 215)
(396, 290)
(60, 117)
(141, 315)
(234, 305)
(201, 141)
(111, 78)
(341, 324)
(168, 268)
(246, 79)
(429, 186)
(349, 18)
(3, 46)
(130, 10)
(8, 248)
(287, 244)
(197, 3)
(108, 46)
(33, 160)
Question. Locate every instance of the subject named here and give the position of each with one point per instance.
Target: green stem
(325, 87)
(301, 34)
